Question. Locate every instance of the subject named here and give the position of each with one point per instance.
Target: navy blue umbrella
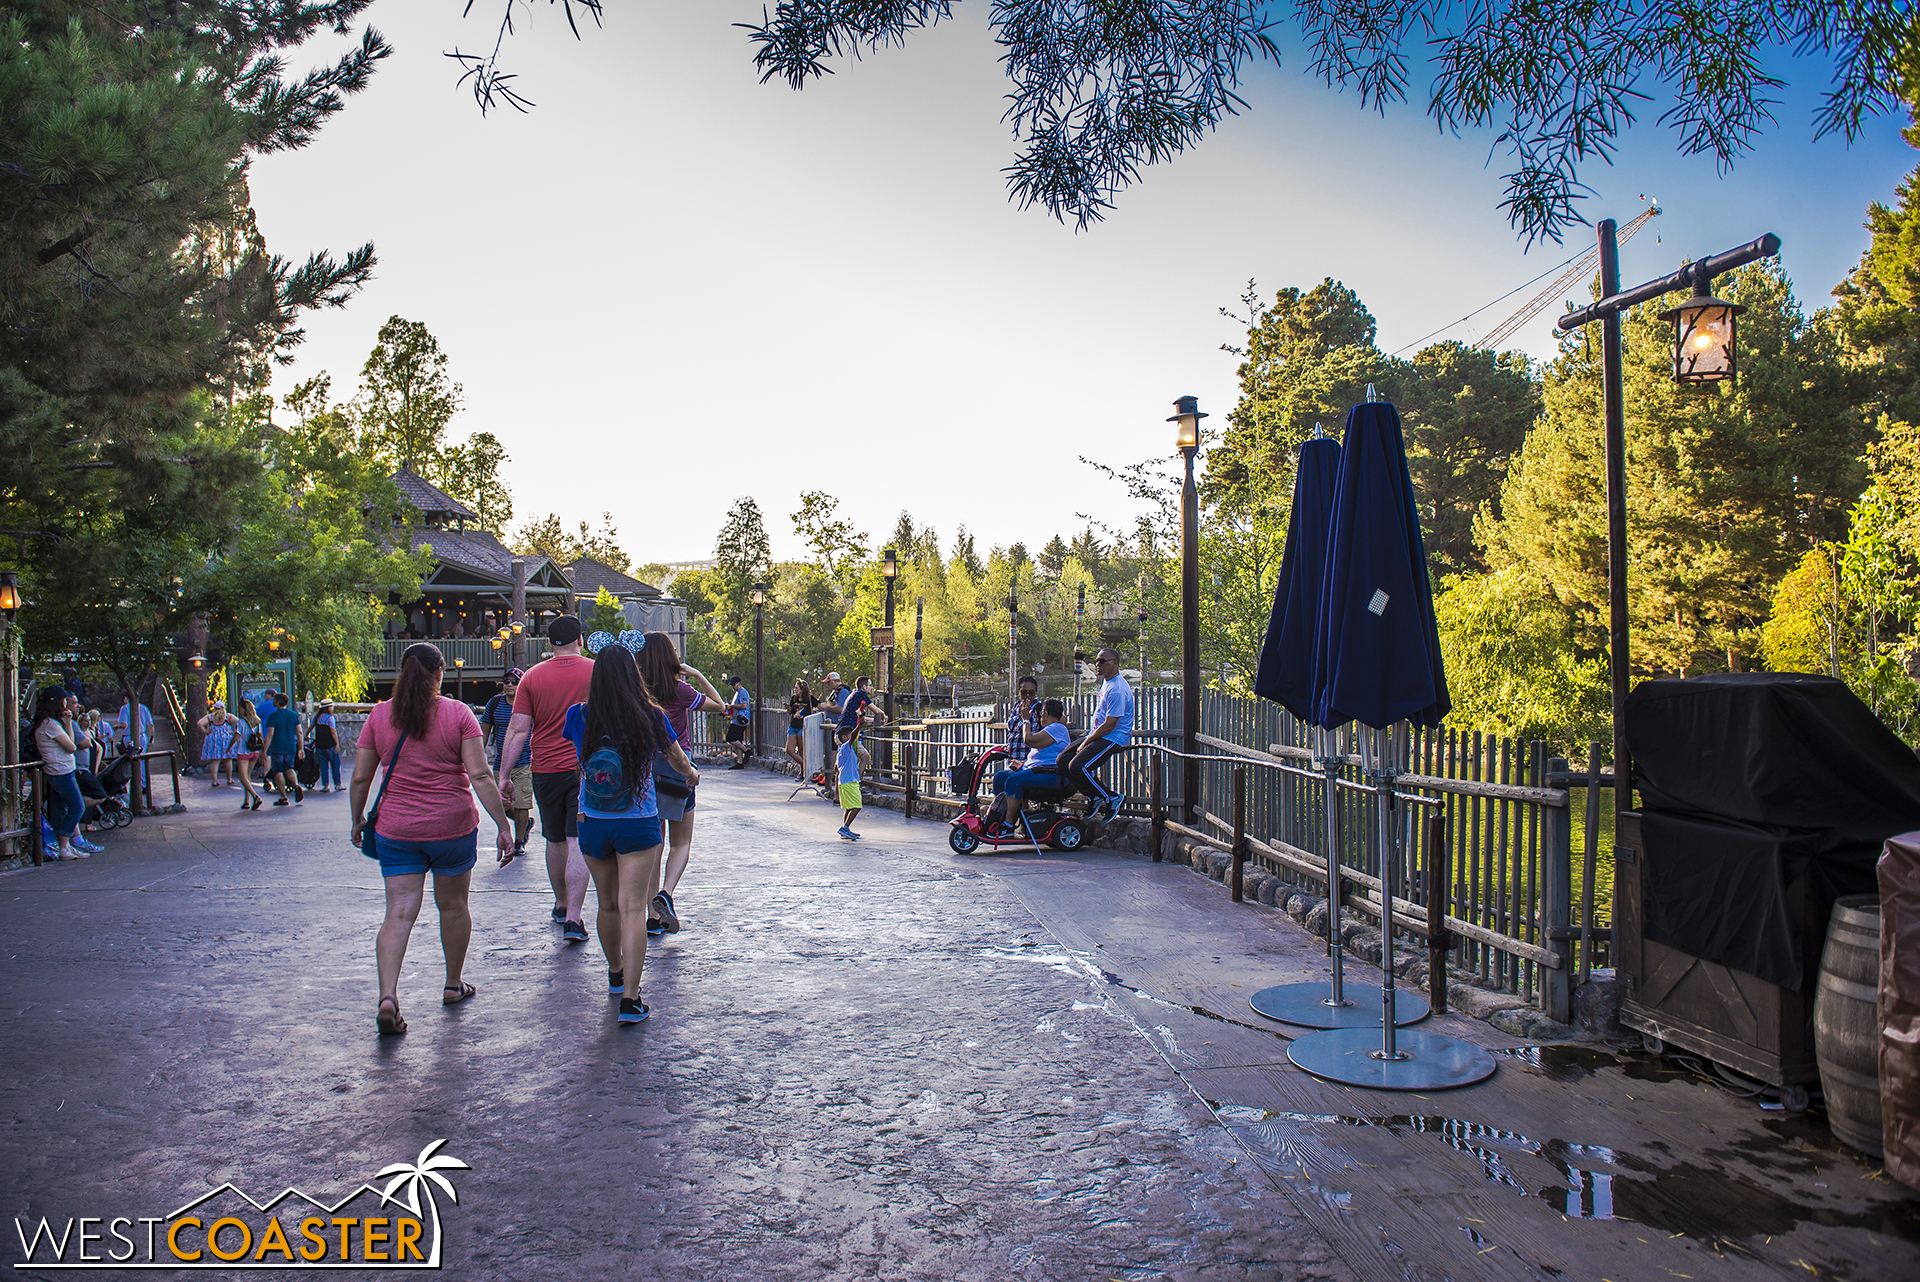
(1286, 656)
(1377, 650)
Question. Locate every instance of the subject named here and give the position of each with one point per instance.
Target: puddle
(1559, 1063)
(1603, 1183)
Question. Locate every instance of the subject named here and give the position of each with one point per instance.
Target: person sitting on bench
(1112, 730)
(1040, 770)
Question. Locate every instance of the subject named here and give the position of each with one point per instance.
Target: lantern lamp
(889, 567)
(9, 593)
(196, 663)
(1186, 412)
(759, 596)
(518, 628)
(1705, 336)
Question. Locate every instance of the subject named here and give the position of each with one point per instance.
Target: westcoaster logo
(226, 1229)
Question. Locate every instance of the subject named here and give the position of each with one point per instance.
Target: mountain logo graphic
(395, 1227)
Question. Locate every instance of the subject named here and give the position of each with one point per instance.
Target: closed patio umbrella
(1377, 661)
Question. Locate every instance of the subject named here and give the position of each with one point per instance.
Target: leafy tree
(549, 537)
(138, 300)
(1727, 486)
(1053, 557)
(1466, 413)
(470, 472)
(966, 555)
(833, 541)
(606, 616)
(1513, 666)
(406, 397)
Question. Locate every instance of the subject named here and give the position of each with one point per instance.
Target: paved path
(865, 1061)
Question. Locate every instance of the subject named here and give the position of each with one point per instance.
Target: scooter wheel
(962, 840)
(1069, 835)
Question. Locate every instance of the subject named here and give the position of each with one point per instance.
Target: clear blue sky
(670, 285)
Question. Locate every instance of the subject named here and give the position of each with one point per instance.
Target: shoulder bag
(368, 846)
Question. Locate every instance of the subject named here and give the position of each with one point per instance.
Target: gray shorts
(671, 807)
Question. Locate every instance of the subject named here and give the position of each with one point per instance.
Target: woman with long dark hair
(58, 737)
(425, 820)
(667, 681)
(247, 751)
(800, 704)
(618, 733)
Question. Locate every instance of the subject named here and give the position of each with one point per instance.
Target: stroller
(102, 793)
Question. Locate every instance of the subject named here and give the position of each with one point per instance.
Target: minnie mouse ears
(632, 640)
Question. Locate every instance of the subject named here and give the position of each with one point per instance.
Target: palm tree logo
(420, 1177)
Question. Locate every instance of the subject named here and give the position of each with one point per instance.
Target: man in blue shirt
(1112, 730)
(281, 733)
(740, 720)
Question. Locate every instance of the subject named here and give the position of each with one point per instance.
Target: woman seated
(1040, 771)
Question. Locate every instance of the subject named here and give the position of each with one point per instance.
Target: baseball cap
(833, 676)
(514, 674)
(564, 630)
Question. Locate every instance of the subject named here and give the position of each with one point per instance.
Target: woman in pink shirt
(427, 821)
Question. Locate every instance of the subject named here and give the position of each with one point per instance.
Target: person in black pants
(1112, 730)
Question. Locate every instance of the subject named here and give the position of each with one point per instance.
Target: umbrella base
(1352, 1056)
(1306, 1005)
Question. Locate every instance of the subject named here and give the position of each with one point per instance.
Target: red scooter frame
(1044, 827)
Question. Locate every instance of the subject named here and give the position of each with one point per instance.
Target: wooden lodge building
(478, 585)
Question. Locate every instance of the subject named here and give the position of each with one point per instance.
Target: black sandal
(465, 991)
(389, 1023)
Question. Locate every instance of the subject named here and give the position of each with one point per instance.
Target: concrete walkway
(874, 1060)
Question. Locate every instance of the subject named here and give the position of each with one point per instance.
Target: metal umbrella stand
(1338, 1005)
(1395, 1058)
(1376, 660)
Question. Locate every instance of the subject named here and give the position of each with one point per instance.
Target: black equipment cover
(1751, 782)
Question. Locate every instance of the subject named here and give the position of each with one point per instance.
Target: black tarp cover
(1749, 782)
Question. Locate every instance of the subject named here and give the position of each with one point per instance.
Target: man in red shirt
(540, 706)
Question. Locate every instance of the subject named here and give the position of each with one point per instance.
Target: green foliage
(1466, 413)
(1513, 667)
(835, 544)
(605, 616)
(1727, 486)
(549, 537)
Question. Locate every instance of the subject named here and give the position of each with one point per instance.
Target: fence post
(1239, 832)
(1438, 942)
(1589, 848)
(1158, 805)
(906, 758)
(1556, 903)
(37, 843)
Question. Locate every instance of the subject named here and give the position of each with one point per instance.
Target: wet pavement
(874, 1060)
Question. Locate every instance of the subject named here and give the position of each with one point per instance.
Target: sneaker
(633, 1012)
(663, 910)
(573, 932)
(81, 843)
(559, 912)
(616, 982)
(298, 795)
(654, 928)
(851, 833)
(846, 833)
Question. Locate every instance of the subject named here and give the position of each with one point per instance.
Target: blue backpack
(603, 781)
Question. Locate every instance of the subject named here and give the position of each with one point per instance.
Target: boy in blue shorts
(847, 761)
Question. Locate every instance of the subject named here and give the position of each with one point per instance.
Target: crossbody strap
(373, 812)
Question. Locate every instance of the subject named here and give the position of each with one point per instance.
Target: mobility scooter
(1046, 825)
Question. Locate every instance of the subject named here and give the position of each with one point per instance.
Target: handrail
(36, 847)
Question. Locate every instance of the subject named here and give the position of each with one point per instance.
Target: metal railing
(13, 783)
(1495, 844)
(477, 653)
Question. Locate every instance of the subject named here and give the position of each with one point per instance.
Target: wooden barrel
(1846, 1022)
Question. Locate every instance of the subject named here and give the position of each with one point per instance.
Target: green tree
(1466, 413)
(1053, 557)
(1727, 486)
(834, 542)
(138, 300)
(1513, 666)
(606, 616)
(407, 398)
(549, 537)
(471, 473)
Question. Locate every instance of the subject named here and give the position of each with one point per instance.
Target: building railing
(478, 654)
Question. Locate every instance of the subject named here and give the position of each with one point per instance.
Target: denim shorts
(605, 838)
(448, 858)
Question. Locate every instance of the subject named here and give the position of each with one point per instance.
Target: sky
(668, 285)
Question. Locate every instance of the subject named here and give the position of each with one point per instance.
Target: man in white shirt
(1112, 730)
